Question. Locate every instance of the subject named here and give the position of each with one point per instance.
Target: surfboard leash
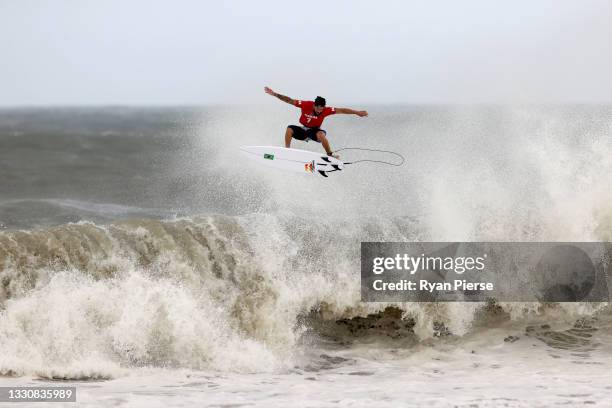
(374, 161)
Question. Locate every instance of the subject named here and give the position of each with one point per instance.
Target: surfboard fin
(325, 158)
(335, 166)
(323, 173)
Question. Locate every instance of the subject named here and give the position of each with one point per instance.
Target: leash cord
(373, 161)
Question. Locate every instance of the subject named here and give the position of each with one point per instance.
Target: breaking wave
(227, 293)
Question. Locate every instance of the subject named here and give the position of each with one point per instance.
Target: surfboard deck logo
(268, 156)
(309, 167)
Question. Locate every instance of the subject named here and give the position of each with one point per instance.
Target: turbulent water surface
(144, 261)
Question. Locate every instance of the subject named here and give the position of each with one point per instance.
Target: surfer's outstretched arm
(352, 112)
(279, 96)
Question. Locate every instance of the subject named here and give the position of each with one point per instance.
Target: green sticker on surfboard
(268, 156)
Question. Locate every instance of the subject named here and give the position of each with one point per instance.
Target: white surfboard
(300, 161)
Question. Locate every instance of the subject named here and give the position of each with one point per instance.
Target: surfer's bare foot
(335, 156)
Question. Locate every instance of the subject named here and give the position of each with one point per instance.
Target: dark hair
(319, 101)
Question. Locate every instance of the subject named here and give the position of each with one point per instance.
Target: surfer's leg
(288, 136)
(322, 138)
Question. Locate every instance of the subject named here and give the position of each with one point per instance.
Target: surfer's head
(319, 104)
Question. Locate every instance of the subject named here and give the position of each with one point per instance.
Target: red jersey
(309, 118)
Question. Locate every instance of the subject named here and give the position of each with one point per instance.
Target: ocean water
(145, 262)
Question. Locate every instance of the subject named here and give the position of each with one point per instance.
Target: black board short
(301, 133)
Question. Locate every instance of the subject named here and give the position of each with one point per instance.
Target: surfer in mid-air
(313, 113)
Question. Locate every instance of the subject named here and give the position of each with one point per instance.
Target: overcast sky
(126, 52)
